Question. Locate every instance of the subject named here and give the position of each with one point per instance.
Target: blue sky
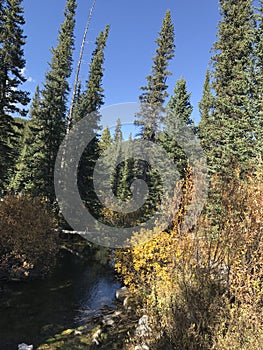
(131, 44)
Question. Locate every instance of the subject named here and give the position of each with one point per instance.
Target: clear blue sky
(131, 44)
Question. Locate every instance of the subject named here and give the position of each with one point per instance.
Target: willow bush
(203, 289)
(28, 239)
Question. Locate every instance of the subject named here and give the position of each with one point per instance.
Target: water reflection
(32, 311)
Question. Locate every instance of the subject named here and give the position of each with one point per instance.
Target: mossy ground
(111, 337)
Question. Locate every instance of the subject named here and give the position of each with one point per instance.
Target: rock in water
(143, 330)
(96, 336)
(142, 347)
(24, 346)
(122, 293)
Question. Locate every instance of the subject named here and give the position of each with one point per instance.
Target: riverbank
(34, 310)
(120, 327)
(111, 330)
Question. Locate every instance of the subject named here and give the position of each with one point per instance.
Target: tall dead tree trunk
(76, 81)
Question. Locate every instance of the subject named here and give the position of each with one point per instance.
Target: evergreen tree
(53, 110)
(207, 123)
(155, 93)
(178, 116)
(76, 110)
(12, 99)
(227, 126)
(150, 116)
(105, 140)
(231, 141)
(259, 82)
(118, 136)
(20, 128)
(27, 167)
(116, 165)
(128, 174)
(205, 104)
(105, 155)
(91, 100)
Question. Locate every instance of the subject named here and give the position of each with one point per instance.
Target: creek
(32, 311)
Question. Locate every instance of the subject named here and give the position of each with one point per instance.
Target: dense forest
(200, 284)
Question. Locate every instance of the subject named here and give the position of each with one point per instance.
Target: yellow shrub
(203, 286)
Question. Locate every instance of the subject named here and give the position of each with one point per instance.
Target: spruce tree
(154, 95)
(105, 156)
(76, 109)
(150, 116)
(116, 165)
(27, 166)
(178, 117)
(118, 136)
(12, 98)
(128, 174)
(258, 52)
(205, 105)
(91, 100)
(231, 141)
(105, 140)
(227, 126)
(207, 124)
(20, 128)
(53, 110)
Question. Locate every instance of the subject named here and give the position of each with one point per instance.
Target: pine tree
(53, 109)
(12, 98)
(20, 128)
(227, 126)
(105, 156)
(207, 123)
(118, 136)
(231, 141)
(105, 140)
(91, 100)
(150, 116)
(76, 109)
(206, 102)
(258, 51)
(116, 165)
(178, 117)
(155, 93)
(27, 168)
(128, 174)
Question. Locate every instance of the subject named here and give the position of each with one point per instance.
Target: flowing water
(32, 311)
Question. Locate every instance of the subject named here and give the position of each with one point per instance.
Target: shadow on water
(33, 311)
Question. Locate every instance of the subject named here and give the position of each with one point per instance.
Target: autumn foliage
(203, 288)
(28, 240)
